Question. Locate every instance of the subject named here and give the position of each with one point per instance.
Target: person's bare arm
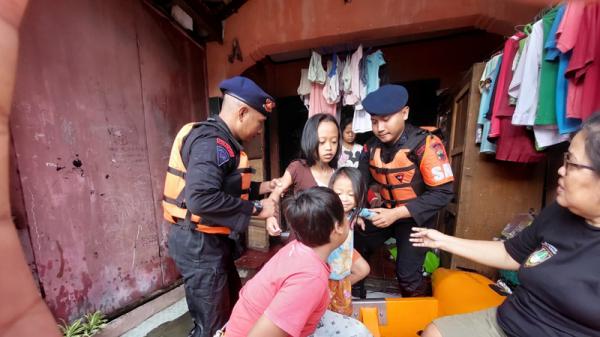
(22, 310)
(264, 327)
(282, 185)
(489, 253)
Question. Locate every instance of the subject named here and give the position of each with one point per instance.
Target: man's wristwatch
(258, 207)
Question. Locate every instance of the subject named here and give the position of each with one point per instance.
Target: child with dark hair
(289, 294)
(350, 151)
(347, 265)
(320, 147)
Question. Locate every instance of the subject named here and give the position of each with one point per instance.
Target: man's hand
(270, 209)
(385, 217)
(270, 186)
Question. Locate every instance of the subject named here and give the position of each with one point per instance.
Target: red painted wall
(102, 88)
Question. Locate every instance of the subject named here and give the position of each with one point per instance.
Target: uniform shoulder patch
(222, 156)
(225, 146)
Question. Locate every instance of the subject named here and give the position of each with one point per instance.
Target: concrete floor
(173, 321)
(176, 328)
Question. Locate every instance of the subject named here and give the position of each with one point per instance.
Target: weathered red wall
(265, 27)
(102, 87)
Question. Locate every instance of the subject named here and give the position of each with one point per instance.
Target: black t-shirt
(560, 278)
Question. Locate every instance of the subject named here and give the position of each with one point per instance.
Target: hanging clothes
(584, 68)
(352, 97)
(553, 53)
(547, 135)
(331, 92)
(515, 144)
(304, 87)
(374, 61)
(486, 87)
(525, 83)
(546, 111)
(347, 76)
(316, 73)
(318, 104)
(361, 122)
(501, 107)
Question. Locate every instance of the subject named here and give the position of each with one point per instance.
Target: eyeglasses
(568, 163)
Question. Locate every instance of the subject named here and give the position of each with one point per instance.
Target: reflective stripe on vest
(173, 203)
(394, 177)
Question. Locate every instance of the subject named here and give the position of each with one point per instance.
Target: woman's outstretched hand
(426, 237)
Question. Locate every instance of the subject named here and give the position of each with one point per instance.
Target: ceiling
(207, 15)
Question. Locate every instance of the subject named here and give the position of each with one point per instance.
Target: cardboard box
(258, 237)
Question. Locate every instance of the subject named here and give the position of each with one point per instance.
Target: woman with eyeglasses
(557, 258)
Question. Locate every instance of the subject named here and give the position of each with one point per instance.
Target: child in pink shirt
(290, 293)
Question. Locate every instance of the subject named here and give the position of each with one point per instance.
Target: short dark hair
(310, 140)
(359, 188)
(312, 214)
(591, 129)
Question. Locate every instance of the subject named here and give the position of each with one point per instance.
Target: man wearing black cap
(207, 197)
(409, 167)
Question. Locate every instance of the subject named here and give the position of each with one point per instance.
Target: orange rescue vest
(173, 203)
(400, 180)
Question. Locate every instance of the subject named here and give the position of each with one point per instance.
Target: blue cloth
(565, 125)
(334, 60)
(386, 100)
(550, 44)
(484, 106)
(248, 92)
(374, 61)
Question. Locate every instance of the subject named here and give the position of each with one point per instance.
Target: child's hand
(361, 223)
(273, 226)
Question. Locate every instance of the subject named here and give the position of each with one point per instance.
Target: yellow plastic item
(454, 292)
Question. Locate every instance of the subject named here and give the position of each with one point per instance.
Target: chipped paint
(92, 151)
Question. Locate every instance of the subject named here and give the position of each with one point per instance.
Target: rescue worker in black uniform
(207, 197)
(409, 168)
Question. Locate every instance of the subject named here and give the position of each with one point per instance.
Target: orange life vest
(400, 179)
(174, 207)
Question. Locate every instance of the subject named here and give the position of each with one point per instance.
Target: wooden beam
(204, 19)
(230, 8)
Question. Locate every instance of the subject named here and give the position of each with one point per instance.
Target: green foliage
(87, 326)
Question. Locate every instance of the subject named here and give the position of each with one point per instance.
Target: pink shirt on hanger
(568, 30)
(317, 103)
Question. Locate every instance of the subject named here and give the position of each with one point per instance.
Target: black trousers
(409, 261)
(211, 280)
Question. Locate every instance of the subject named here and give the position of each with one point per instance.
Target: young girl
(347, 266)
(350, 150)
(320, 148)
